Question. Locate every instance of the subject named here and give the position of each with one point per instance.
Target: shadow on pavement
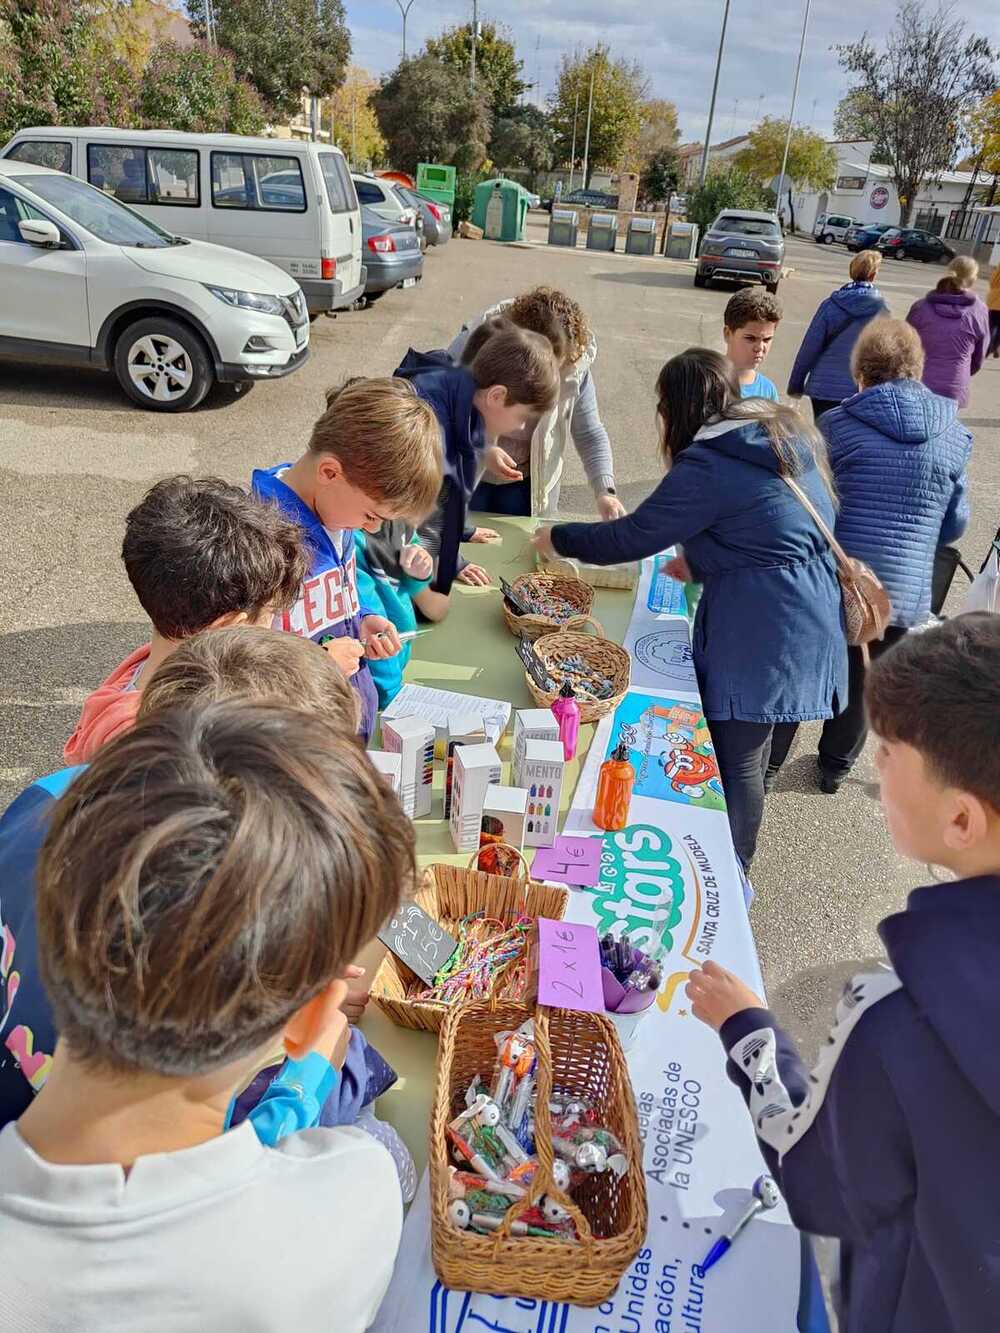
(647, 279)
(86, 390)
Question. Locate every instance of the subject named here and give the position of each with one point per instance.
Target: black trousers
(821, 405)
(994, 333)
(843, 737)
(743, 750)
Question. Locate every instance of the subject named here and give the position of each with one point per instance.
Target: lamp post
(572, 154)
(791, 112)
(404, 9)
(586, 143)
(475, 38)
(715, 89)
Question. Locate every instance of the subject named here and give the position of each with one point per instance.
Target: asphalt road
(75, 456)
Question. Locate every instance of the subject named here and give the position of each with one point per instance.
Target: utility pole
(475, 39)
(404, 9)
(586, 144)
(576, 112)
(791, 112)
(354, 127)
(715, 89)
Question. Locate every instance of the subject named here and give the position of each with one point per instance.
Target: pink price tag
(570, 861)
(569, 966)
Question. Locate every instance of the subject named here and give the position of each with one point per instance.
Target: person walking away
(769, 646)
(954, 327)
(898, 454)
(822, 368)
(993, 306)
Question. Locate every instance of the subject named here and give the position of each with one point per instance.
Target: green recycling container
(436, 182)
(500, 207)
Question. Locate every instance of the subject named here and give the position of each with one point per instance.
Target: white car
(832, 227)
(84, 280)
(380, 195)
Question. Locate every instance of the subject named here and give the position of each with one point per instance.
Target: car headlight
(266, 304)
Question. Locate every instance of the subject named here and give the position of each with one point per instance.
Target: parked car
(289, 202)
(742, 245)
(832, 227)
(436, 217)
(583, 198)
(911, 243)
(383, 195)
(864, 236)
(393, 257)
(87, 281)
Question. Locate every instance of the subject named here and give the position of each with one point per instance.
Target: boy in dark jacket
(892, 1144)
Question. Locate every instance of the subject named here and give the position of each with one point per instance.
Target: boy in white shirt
(201, 890)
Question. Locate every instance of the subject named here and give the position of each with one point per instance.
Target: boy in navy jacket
(892, 1143)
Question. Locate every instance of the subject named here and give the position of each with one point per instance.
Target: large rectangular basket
(578, 1055)
(447, 893)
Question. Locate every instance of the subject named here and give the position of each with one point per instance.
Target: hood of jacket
(950, 305)
(904, 410)
(450, 390)
(747, 441)
(856, 302)
(944, 949)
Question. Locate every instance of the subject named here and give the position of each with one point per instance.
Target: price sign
(418, 941)
(569, 966)
(570, 861)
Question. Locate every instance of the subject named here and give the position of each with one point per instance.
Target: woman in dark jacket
(769, 644)
(822, 366)
(898, 454)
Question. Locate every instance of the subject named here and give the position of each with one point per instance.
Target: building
(719, 155)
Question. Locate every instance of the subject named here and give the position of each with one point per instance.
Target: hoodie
(107, 711)
(768, 635)
(899, 454)
(892, 1143)
(954, 328)
(382, 581)
(822, 366)
(327, 605)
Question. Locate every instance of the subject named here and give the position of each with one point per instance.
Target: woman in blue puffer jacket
(898, 454)
(822, 368)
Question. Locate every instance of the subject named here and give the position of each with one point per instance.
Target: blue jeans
(743, 750)
(510, 497)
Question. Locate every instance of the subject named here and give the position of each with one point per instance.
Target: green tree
(619, 90)
(811, 160)
(497, 65)
(428, 116)
(524, 138)
(658, 132)
(282, 46)
(913, 96)
(732, 188)
(984, 134)
(660, 176)
(852, 120)
(195, 88)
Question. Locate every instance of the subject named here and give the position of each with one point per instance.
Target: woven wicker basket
(447, 893)
(578, 1054)
(607, 657)
(578, 594)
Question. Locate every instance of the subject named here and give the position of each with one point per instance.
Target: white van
(832, 227)
(284, 200)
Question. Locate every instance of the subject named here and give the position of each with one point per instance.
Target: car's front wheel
(700, 280)
(163, 365)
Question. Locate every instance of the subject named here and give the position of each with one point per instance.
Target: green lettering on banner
(641, 888)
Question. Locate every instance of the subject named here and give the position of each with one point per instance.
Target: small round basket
(576, 593)
(601, 655)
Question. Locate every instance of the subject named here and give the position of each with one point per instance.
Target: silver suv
(743, 246)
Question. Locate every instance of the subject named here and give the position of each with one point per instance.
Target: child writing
(750, 322)
(374, 454)
(893, 1142)
(199, 553)
(202, 887)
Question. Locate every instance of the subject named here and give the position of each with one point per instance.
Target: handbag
(866, 603)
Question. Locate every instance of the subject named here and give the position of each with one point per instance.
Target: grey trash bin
(682, 240)
(563, 226)
(640, 239)
(602, 232)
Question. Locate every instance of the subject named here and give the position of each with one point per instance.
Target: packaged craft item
(389, 765)
(464, 729)
(566, 711)
(530, 724)
(476, 767)
(413, 740)
(543, 769)
(501, 829)
(614, 790)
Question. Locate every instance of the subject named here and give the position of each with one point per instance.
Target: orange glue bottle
(614, 790)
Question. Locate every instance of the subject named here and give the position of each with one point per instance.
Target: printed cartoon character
(688, 772)
(9, 979)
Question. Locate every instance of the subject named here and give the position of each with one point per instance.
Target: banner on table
(671, 880)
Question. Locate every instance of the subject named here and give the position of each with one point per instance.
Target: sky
(675, 41)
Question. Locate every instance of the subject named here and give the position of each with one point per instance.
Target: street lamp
(715, 89)
(404, 9)
(791, 112)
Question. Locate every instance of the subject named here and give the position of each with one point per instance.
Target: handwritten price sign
(569, 966)
(569, 861)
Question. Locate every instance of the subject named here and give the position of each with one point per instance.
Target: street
(76, 456)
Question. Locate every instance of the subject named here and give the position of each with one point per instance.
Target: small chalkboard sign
(533, 664)
(418, 941)
(514, 599)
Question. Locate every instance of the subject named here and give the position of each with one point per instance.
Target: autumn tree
(619, 89)
(497, 65)
(913, 96)
(426, 115)
(984, 134)
(658, 132)
(352, 120)
(811, 160)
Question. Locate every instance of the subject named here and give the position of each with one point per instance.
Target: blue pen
(765, 1195)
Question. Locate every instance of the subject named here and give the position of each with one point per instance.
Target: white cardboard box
(463, 729)
(389, 765)
(503, 820)
(530, 724)
(542, 775)
(476, 767)
(413, 740)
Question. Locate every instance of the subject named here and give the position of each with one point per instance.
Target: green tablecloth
(471, 652)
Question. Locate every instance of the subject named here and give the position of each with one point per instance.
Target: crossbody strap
(838, 551)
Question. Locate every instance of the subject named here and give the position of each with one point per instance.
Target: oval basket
(577, 593)
(607, 657)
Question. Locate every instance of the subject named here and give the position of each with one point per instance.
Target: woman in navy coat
(769, 646)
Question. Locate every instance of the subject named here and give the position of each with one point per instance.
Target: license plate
(743, 254)
(300, 334)
(409, 282)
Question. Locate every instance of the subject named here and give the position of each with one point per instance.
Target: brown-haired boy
(750, 322)
(201, 889)
(199, 553)
(374, 454)
(892, 1144)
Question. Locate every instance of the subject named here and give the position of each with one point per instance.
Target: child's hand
(542, 542)
(417, 562)
(336, 1040)
(499, 462)
(347, 653)
(610, 507)
(679, 569)
(483, 535)
(355, 1001)
(474, 576)
(716, 995)
(379, 637)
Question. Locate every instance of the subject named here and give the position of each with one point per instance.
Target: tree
(732, 188)
(282, 46)
(984, 134)
(497, 65)
(660, 176)
(426, 115)
(195, 88)
(811, 160)
(352, 117)
(658, 131)
(852, 120)
(914, 96)
(619, 89)
(524, 138)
